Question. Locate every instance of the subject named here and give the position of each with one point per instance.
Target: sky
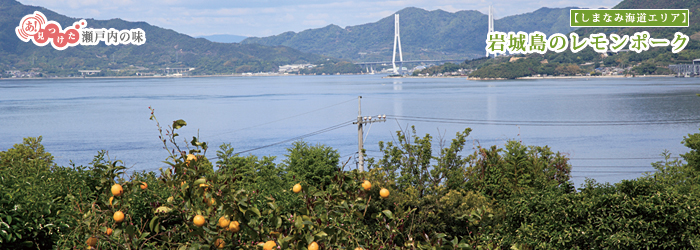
(271, 17)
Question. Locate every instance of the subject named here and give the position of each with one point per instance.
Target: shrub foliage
(514, 197)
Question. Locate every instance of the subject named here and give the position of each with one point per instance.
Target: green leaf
(162, 209)
(298, 222)
(321, 234)
(287, 239)
(200, 181)
(309, 239)
(145, 235)
(130, 230)
(212, 232)
(388, 214)
(255, 211)
(153, 222)
(179, 124)
(273, 206)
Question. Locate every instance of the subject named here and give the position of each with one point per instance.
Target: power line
(348, 155)
(542, 123)
(577, 166)
(331, 128)
(622, 158)
(289, 117)
(613, 172)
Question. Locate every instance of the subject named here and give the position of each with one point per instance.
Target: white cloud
(317, 16)
(376, 14)
(449, 8)
(315, 23)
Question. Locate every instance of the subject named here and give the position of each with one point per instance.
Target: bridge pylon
(397, 40)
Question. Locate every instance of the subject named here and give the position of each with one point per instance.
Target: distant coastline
(276, 74)
(164, 76)
(539, 77)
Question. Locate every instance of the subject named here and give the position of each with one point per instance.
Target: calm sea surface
(608, 127)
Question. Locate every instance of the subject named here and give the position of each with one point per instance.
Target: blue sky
(271, 17)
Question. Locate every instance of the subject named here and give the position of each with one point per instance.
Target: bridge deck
(685, 69)
(410, 61)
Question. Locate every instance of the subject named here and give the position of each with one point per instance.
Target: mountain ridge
(654, 61)
(164, 48)
(436, 34)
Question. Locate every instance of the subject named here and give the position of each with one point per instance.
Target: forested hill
(164, 48)
(654, 61)
(424, 34)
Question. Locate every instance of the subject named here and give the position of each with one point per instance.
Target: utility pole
(360, 121)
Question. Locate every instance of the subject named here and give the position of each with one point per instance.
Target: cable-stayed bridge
(408, 61)
(397, 43)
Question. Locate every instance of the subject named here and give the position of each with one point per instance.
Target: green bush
(515, 197)
(36, 196)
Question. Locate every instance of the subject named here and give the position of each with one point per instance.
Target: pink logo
(38, 29)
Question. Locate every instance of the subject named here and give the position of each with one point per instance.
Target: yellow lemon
(118, 216)
(210, 202)
(384, 193)
(198, 220)
(269, 245)
(366, 185)
(92, 241)
(220, 243)
(223, 222)
(117, 190)
(234, 226)
(313, 246)
(190, 157)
